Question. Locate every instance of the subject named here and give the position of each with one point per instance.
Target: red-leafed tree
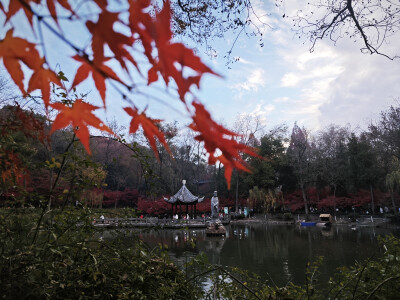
(131, 40)
(298, 151)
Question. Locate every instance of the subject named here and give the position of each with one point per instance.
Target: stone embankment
(362, 221)
(152, 222)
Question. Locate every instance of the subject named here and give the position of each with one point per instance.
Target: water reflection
(275, 252)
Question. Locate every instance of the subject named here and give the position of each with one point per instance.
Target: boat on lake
(306, 224)
(325, 220)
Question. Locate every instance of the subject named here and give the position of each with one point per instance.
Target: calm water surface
(276, 252)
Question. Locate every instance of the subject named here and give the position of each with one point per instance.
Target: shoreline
(379, 223)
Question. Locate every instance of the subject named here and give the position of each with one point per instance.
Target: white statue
(214, 206)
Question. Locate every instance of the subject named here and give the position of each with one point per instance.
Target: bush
(237, 216)
(61, 260)
(288, 216)
(354, 216)
(395, 219)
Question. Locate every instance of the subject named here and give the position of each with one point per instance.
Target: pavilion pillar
(180, 208)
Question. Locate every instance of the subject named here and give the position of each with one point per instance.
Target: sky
(281, 82)
(284, 82)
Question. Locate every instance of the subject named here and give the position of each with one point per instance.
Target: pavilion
(186, 198)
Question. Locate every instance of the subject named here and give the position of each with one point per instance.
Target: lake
(277, 252)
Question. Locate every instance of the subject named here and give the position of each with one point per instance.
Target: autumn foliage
(118, 38)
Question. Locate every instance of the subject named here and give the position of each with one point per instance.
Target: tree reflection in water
(274, 252)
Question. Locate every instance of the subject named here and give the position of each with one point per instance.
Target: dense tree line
(335, 168)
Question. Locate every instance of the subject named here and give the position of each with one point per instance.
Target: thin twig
(380, 285)
(359, 277)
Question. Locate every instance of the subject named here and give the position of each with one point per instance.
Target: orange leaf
(101, 3)
(141, 22)
(41, 80)
(229, 166)
(152, 75)
(15, 6)
(171, 57)
(103, 33)
(12, 168)
(52, 8)
(217, 137)
(13, 50)
(100, 72)
(149, 126)
(80, 116)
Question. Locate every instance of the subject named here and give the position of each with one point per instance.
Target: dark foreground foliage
(63, 256)
(60, 260)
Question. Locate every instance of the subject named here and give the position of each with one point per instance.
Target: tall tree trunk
(372, 198)
(50, 188)
(334, 198)
(237, 192)
(198, 169)
(116, 200)
(304, 198)
(393, 203)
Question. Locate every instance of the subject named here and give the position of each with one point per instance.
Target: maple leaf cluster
(167, 59)
(15, 50)
(217, 139)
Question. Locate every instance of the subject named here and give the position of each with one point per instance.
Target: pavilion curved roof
(184, 196)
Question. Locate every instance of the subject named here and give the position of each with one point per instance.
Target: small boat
(325, 220)
(307, 224)
(215, 229)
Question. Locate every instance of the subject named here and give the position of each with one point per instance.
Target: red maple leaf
(12, 167)
(41, 79)
(172, 57)
(100, 72)
(141, 22)
(150, 129)
(217, 137)
(80, 116)
(13, 50)
(52, 8)
(101, 3)
(14, 6)
(103, 33)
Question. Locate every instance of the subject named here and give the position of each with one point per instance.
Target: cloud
(286, 83)
(333, 84)
(368, 85)
(281, 100)
(252, 82)
(290, 79)
(263, 109)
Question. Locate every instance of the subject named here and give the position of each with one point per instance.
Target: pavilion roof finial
(184, 196)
